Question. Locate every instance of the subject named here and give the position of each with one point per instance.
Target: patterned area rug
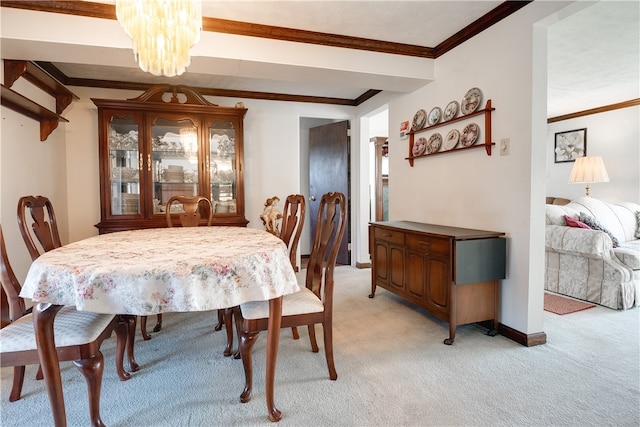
(562, 305)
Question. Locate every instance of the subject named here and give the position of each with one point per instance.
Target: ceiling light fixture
(163, 32)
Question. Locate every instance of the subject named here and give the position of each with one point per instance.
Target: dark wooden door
(329, 172)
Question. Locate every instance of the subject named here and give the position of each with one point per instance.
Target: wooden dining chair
(313, 304)
(40, 235)
(292, 223)
(44, 226)
(290, 230)
(78, 337)
(189, 214)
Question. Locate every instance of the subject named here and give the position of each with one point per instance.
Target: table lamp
(587, 170)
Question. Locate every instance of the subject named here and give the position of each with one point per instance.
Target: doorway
(377, 125)
(329, 171)
(381, 179)
(306, 124)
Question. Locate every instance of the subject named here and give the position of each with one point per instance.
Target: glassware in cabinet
(174, 160)
(124, 165)
(222, 167)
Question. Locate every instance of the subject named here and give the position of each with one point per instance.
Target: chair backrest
(12, 305)
(44, 227)
(292, 222)
(190, 217)
(326, 243)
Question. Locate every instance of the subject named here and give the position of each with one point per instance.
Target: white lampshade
(587, 170)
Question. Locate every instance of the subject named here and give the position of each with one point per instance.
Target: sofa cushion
(555, 213)
(594, 224)
(572, 222)
(629, 254)
(577, 241)
(619, 219)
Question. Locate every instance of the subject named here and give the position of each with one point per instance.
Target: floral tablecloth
(144, 272)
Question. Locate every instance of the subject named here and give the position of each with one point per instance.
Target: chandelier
(163, 32)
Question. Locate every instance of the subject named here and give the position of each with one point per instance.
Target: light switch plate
(505, 146)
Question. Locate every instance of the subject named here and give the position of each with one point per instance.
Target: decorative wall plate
(471, 101)
(419, 120)
(451, 140)
(434, 116)
(434, 143)
(450, 111)
(419, 146)
(469, 135)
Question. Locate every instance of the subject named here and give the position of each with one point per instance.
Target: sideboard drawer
(389, 236)
(428, 244)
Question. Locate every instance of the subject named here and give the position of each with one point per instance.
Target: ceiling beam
(107, 11)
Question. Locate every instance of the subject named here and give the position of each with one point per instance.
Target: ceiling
(593, 54)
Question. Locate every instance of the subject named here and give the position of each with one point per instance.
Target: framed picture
(404, 128)
(570, 145)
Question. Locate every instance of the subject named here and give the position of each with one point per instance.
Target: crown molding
(107, 11)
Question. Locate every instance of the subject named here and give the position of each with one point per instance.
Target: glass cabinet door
(174, 160)
(222, 167)
(125, 164)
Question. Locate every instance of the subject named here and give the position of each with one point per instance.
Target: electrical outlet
(504, 146)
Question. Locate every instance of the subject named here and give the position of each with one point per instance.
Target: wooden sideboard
(451, 272)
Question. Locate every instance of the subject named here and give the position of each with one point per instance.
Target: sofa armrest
(577, 240)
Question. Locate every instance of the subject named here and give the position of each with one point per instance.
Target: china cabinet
(168, 141)
(451, 272)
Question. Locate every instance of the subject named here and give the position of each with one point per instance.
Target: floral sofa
(592, 251)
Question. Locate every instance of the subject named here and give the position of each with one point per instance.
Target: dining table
(150, 271)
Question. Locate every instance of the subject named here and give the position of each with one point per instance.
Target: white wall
(614, 135)
(30, 167)
(470, 189)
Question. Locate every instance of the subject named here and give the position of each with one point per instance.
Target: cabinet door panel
(222, 166)
(397, 267)
(382, 257)
(416, 275)
(174, 158)
(438, 282)
(124, 168)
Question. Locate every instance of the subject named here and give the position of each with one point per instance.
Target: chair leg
(327, 331)
(247, 339)
(131, 340)
(158, 323)
(18, 379)
(143, 328)
(228, 323)
(92, 369)
(245, 345)
(294, 331)
(221, 318)
(39, 375)
(122, 338)
(312, 338)
(238, 320)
